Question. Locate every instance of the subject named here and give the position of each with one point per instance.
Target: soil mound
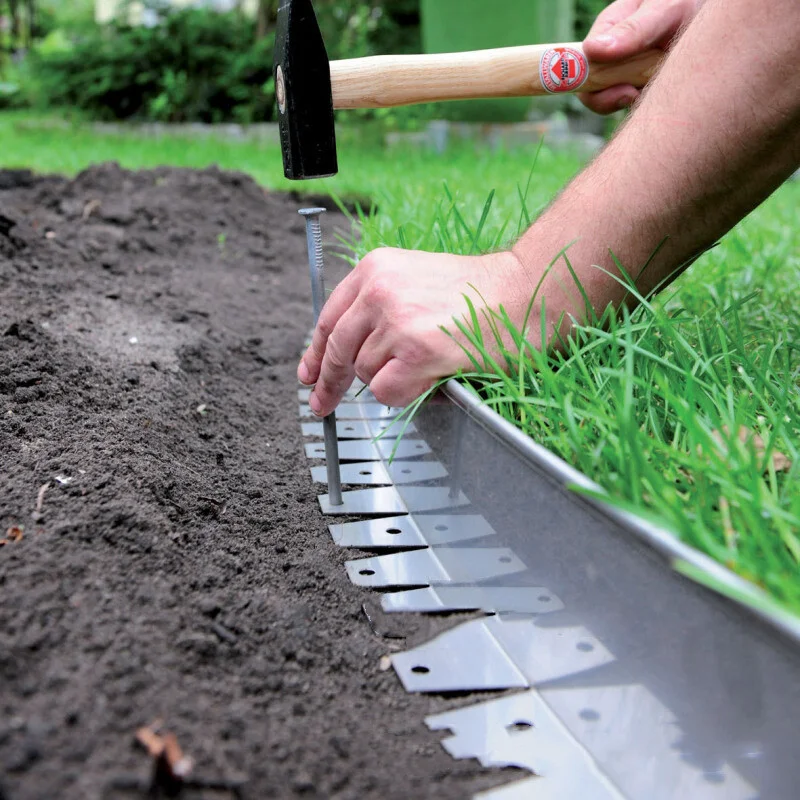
(173, 563)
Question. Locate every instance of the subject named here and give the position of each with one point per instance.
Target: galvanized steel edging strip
(663, 541)
(564, 761)
(650, 706)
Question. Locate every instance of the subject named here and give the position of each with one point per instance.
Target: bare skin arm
(715, 133)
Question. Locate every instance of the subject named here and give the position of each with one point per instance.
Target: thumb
(651, 25)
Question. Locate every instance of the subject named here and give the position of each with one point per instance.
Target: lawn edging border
(740, 591)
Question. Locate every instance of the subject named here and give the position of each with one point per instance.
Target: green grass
(654, 405)
(647, 405)
(48, 144)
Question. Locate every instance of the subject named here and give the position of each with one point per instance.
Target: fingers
(372, 357)
(397, 385)
(612, 15)
(338, 303)
(337, 370)
(625, 29)
(614, 99)
(384, 322)
(630, 28)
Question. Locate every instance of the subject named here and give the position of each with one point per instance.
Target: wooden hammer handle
(388, 81)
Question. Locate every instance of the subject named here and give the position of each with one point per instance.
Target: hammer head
(303, 93)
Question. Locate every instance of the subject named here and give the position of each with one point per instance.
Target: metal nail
(317, 273)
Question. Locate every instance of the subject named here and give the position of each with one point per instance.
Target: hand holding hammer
(309, 87)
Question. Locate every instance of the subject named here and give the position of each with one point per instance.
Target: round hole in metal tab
(419, 670)
(442, 528)
(393, 531)
(349, 428)
(519, 726)
(367, 572)
(365, 472)
(585, 647)
(543, 598)
(405, 471)
(505, 559)
(589, 715)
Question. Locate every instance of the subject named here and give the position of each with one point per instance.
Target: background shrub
(586, 12)
(194, 65)
(354, 28)
(199, 65)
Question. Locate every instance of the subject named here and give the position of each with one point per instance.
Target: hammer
(308, 87)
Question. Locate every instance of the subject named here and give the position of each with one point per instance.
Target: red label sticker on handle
(563, 69)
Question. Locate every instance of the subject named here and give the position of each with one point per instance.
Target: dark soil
(177, 566)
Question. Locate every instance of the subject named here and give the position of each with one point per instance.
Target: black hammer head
(303, 94)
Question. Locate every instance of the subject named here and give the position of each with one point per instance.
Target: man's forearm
(714, 134)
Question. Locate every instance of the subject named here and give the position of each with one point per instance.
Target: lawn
(48, 144)
(686, 412)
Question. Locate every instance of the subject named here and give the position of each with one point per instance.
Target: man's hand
(715, 133)
(625, 29)
(383, 322)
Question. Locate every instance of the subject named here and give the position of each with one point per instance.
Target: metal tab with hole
(379, 502)
(452, 528)
(365, 450)
(521, 731)
(417, 531)
(389, 533)
(388, 500)
(440, 665)
(538, 654)
(355, 411)
(419, 499)
(366, 473)
(408, 472)
(345, 429)
(434, 565)
(495, 599)
(391, 428)
(361, 429)
(376, 473)
(356, 393)
(546, 654)
(607, 718)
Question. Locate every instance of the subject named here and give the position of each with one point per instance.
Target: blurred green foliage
(354, 29)
(194, 65)
(66, 16)
(586, 12)
(201, 65)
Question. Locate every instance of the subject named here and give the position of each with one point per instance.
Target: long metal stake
(317, 272)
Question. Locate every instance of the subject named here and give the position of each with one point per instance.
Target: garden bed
(172, 562)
